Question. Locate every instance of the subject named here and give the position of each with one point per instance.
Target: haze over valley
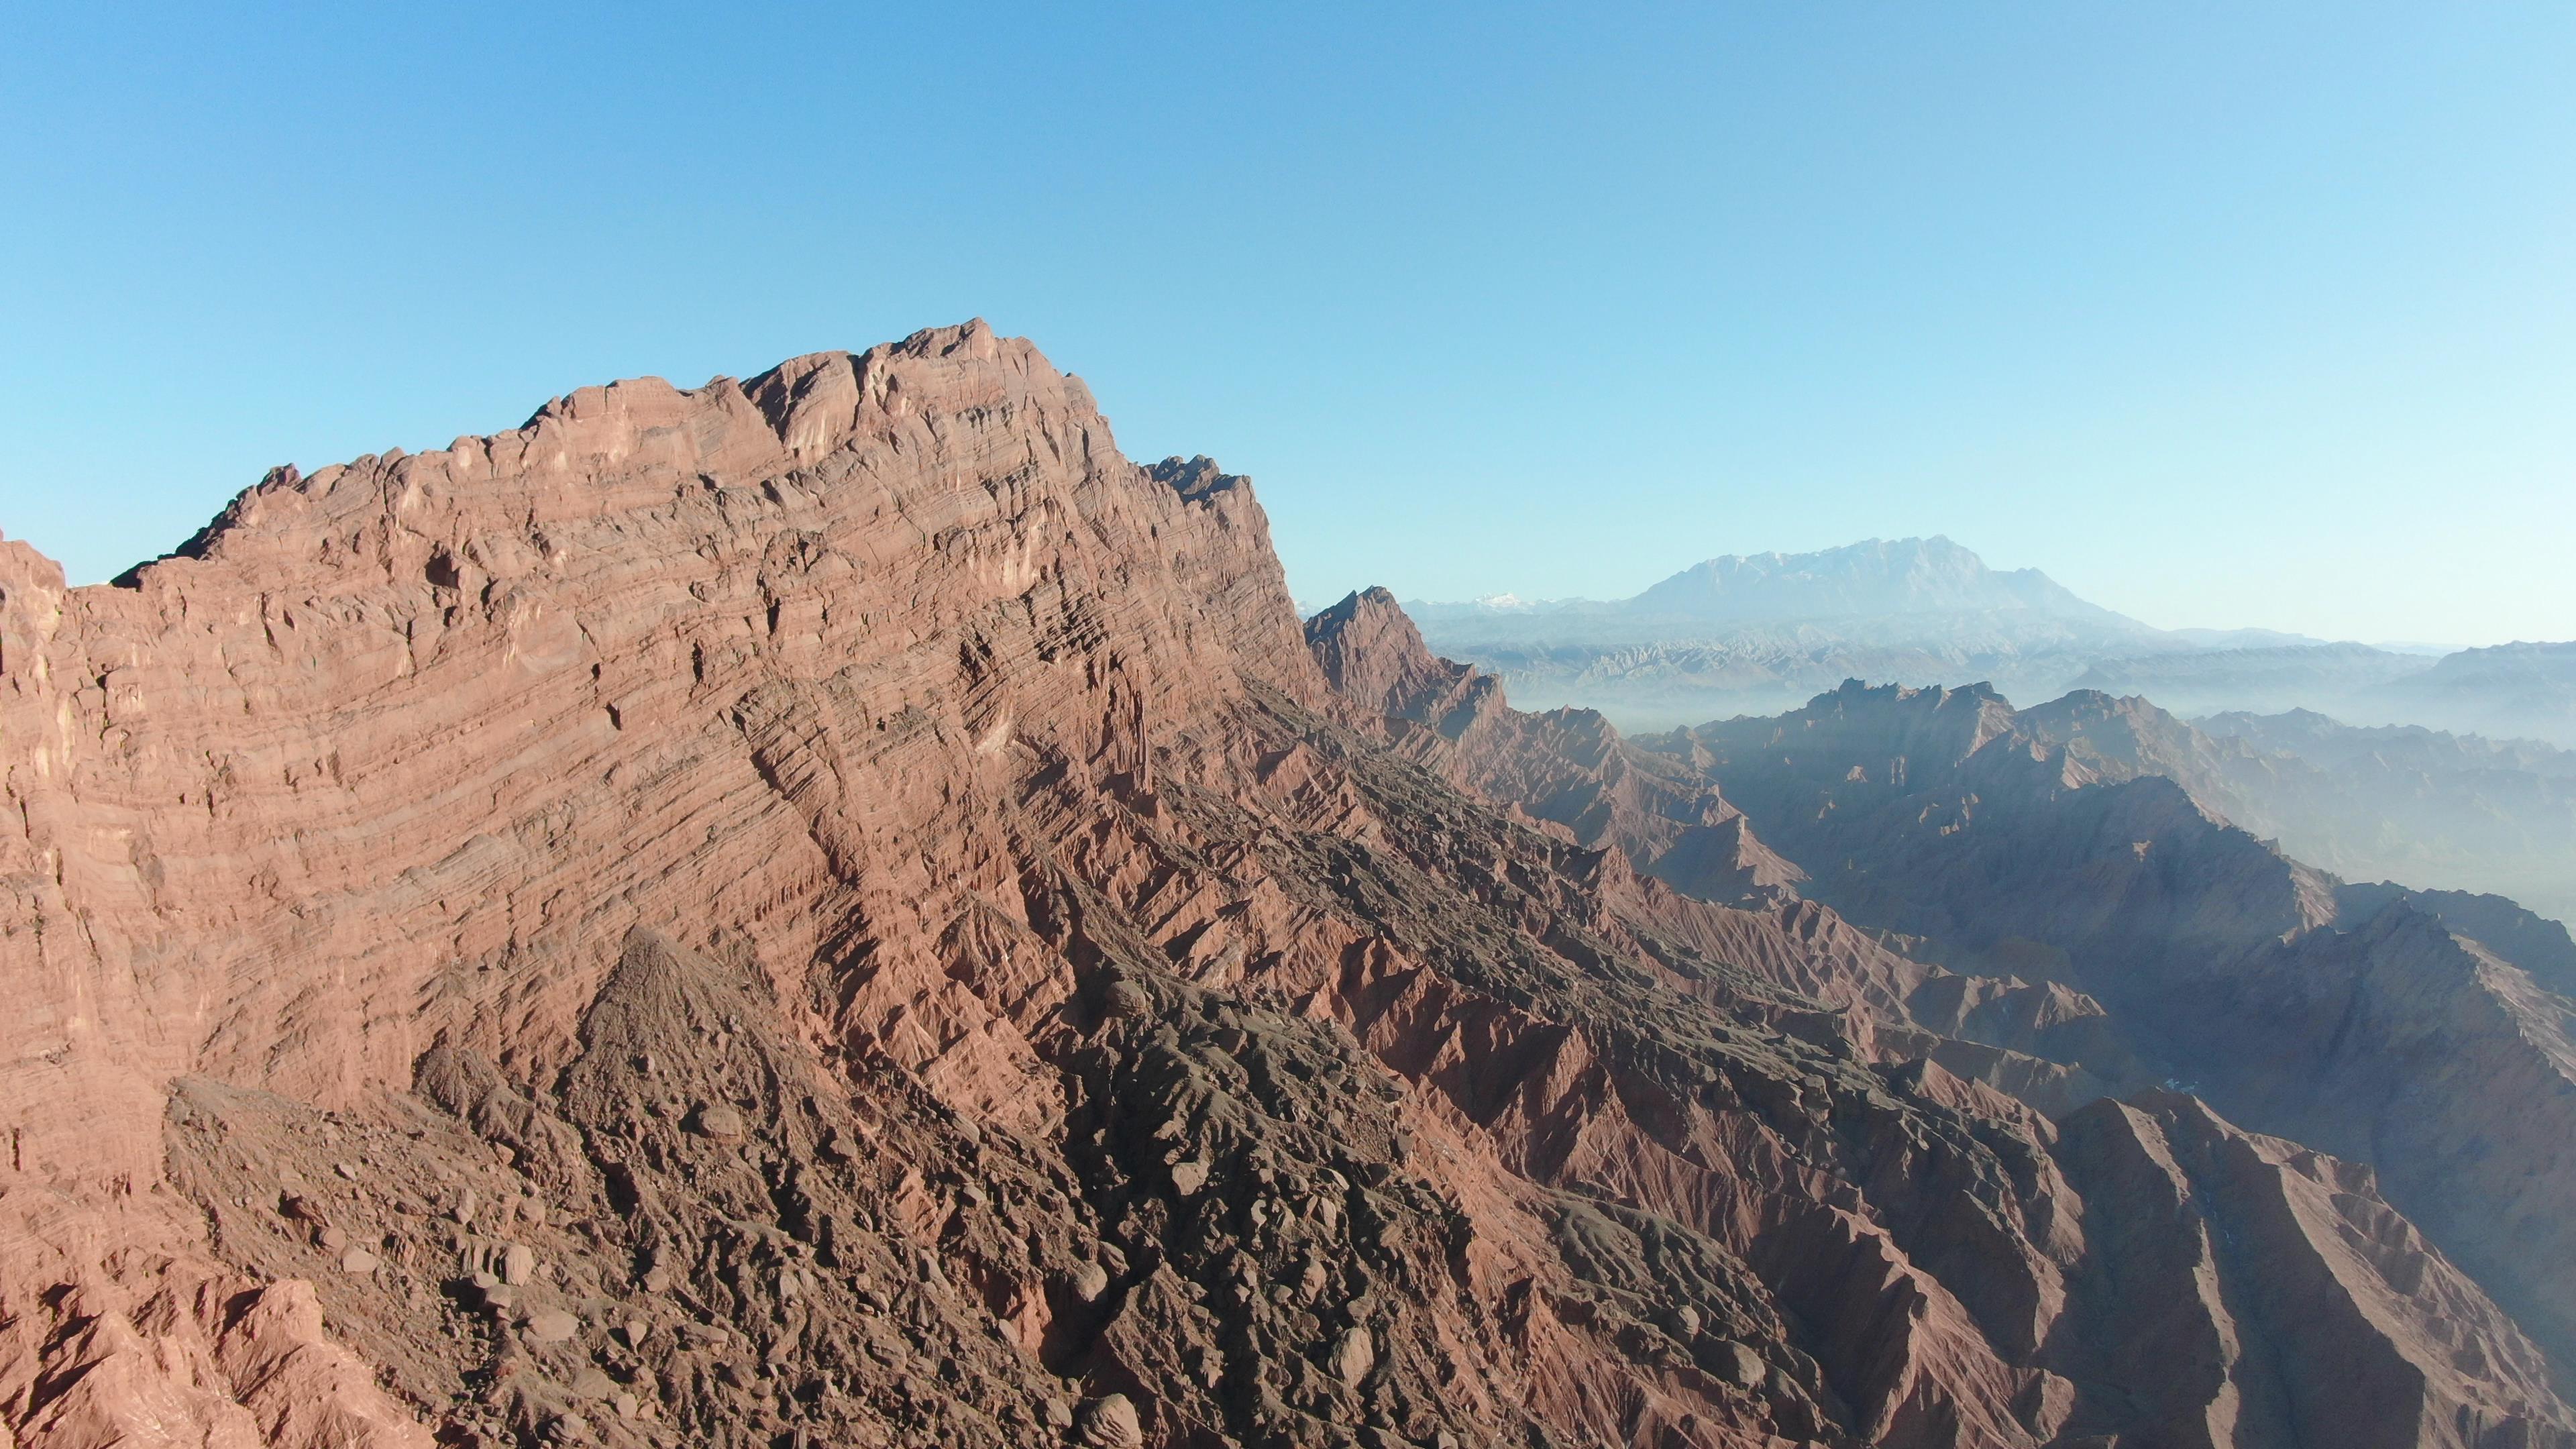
(1762, 633)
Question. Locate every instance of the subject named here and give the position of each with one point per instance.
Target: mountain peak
(581, 448)
(1870, 578)
(1372, 654)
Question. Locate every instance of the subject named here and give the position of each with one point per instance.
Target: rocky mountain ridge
(2057, 843)
(835, 908)
(1876, 577)
(2400, 802)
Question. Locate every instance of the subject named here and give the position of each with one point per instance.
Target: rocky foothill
(836, 909)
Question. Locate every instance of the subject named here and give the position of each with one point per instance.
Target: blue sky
(2223, 315)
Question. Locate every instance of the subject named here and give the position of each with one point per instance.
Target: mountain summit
(1761, 633)
(1876, 577)
(1765, 632)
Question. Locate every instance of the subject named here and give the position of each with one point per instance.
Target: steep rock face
(410, 719)
(836, 909)
(1373, 657)
(2256, 1291)
(1565, 767)
(991, 764)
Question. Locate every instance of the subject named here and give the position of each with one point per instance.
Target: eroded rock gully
(836, 909)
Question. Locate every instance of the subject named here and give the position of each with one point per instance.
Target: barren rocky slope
(837, 909)
(2421, 1032)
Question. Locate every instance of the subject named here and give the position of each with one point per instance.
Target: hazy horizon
(2219, 319)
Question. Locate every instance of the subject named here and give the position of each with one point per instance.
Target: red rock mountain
(837, 909)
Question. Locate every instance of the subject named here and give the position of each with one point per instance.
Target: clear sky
(2222, 314)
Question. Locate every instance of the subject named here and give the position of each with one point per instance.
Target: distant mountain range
(1858, 585)
(2434, 811)
(1874, 579)
(2398, 802)
(1761, 633)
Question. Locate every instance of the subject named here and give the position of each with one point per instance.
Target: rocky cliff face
(837, 909)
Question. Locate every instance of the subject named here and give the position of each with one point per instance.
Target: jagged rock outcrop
(2254, 1291)
(837, 909)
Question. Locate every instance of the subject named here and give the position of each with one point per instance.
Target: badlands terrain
(836, 909)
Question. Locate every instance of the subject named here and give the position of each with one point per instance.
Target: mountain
(2255, 679)
(2506, 691)
(837, 909)
(2406, 803)
(1878, 577)
(2418, 1032)
(1904, 588)
(2331, 744)
(2108, 929)
(2254, 639)
(1761, 634)
(2439, 812)
(2511, 689)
